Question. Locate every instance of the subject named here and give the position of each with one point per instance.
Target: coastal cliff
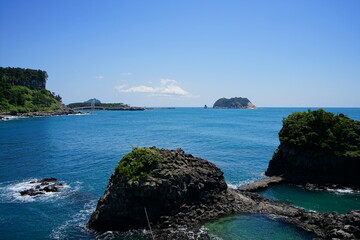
(23, 91)
(234, 103)
(318, 147)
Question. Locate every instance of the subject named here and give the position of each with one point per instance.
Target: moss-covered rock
(138, 163)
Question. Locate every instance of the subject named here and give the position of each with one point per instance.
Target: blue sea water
(82, 151)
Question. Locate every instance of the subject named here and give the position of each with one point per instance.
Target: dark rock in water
(42, 186)
(205, 106)
(180, 192)
(45, 180)
(31, 192)
(181, 183)
(234, 103)
(318, 147)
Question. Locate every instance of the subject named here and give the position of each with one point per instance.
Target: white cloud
(99, 77)
(168, 87)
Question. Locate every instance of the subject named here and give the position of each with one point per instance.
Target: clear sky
(189, 53)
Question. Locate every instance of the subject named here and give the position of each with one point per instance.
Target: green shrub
(321, 129)
(22, 99)
(138, 163)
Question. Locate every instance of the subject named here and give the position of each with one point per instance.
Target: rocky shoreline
(5, 117)
(183, 192)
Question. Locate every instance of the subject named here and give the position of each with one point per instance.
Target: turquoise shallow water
(256, 226)
(320, 201)
(82, 151)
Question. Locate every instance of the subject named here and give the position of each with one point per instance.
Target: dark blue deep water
(82, 152)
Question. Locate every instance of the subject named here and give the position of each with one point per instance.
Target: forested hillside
(23, 90)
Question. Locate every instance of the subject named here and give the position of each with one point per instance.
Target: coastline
(64, 112)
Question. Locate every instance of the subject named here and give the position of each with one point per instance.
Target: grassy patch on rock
(138, 163)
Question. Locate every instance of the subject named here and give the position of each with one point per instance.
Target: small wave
(76, 227)
(77, 222)
(132, 234)
(342, 190)
(10, 192)
(8, 118)
(205, 230)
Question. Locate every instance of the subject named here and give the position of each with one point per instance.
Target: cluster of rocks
(42, 186)
(184, 191)
(65, 111)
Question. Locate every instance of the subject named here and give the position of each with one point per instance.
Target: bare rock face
(179, 183)
(316, 166)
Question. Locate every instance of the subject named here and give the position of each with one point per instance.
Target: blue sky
(189, 53)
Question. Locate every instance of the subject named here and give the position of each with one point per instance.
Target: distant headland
(23, 92)
(234, 103)
(96, 105)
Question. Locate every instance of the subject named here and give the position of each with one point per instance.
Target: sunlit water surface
(82, 151)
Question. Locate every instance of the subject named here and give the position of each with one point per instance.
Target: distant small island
(96, 105)
(234, 103)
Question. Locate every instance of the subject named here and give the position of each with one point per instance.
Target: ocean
(83, 150)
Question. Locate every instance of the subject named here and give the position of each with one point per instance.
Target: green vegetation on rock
(322, 130)
(236, 102)
(98, 104)
(138, 163)
(23, 90)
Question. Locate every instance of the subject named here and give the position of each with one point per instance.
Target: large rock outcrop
(234, 103)
(318, 147)
(180, 192)
(172, 184)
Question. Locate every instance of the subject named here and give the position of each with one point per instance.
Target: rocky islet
(318, 147)
(182, 192)
(43, 186)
